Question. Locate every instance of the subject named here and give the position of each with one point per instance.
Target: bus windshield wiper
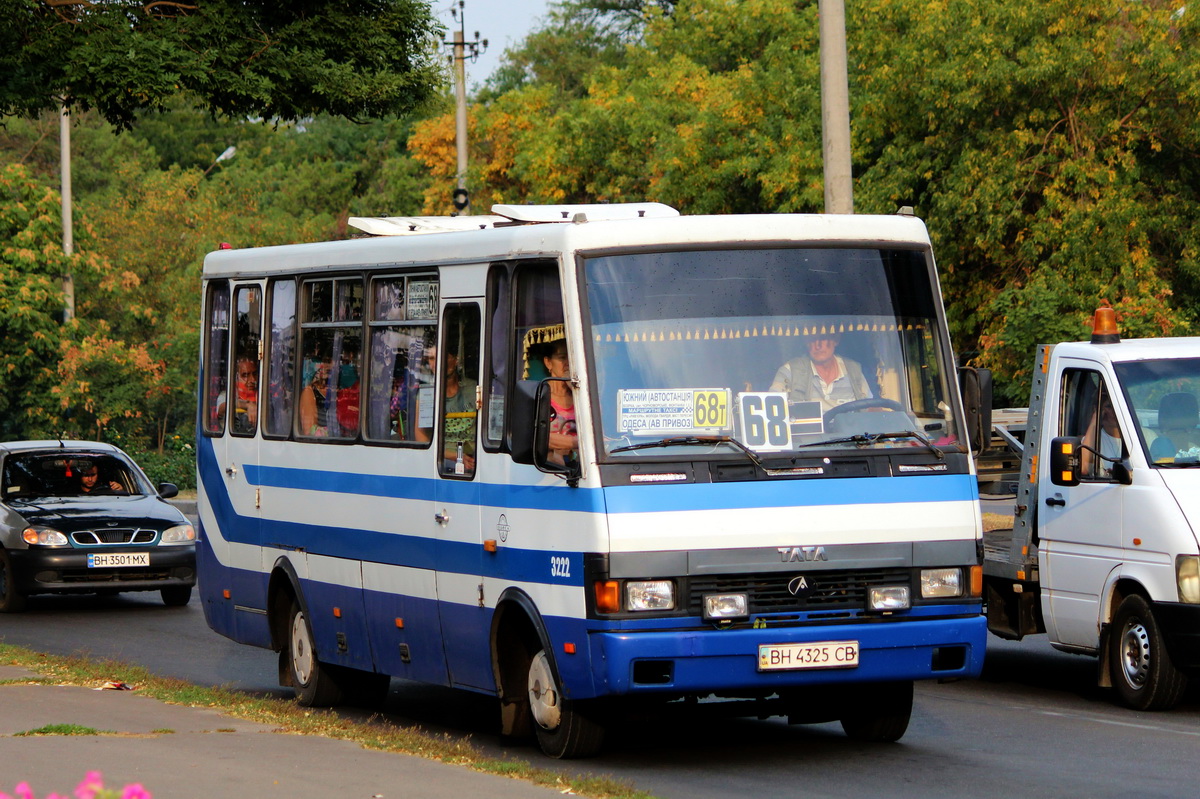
(866, 439)
(692, 441)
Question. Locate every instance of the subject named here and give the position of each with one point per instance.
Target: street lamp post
(68, 234)
(462, 50)
(835, 108)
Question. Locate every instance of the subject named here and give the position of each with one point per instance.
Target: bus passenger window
(402, 330)
(458, 386)
(280, 356)
(332, 345)
(248, 327)
(216, 366)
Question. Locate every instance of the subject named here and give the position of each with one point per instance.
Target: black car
(81, 517)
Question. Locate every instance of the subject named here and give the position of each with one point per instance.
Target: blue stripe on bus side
(658, 497)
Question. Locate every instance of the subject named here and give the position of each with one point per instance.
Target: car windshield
(782, 350)
(1162, 396)
(42, 475)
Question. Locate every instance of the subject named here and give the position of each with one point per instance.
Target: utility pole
(64, 159)
(835, 108)
(462, 50)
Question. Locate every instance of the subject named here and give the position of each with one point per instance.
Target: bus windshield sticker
(422, 299)
(763, 416)
(673, 411)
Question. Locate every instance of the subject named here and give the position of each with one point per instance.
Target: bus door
(461, 601)
(242, 446)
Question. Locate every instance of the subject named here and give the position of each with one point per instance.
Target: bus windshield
(779, 350)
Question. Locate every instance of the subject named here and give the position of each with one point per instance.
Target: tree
(236, 58)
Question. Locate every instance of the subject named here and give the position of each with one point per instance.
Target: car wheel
(315, 683)
(881, 712)
(11, 600)
(176, 595)
(563, 731)
(1142, 672)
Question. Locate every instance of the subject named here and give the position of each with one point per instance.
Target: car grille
(114, 535)
(768, 593)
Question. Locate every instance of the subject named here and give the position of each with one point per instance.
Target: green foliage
(238, 59)
(175, 463)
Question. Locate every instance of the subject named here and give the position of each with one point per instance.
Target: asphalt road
(1035, 724)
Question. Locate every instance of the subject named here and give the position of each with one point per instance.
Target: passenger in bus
(564, 434)
(315, 403)
(460, 409)
(822, 375)
(348, 393)
(245, 404)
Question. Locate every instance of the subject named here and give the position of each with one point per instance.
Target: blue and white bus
(589, 458)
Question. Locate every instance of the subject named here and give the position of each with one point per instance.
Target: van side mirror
(976, 387)
(1064, 460)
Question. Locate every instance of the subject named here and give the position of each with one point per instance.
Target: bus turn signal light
(608, 596)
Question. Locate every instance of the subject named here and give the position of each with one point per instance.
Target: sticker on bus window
(764, 422)
(673, 411)
(422, 299)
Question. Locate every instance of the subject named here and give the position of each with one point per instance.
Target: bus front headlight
(1187, 578)
(941, 583)
(649, 595)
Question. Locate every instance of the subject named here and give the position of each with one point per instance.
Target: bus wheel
(562, 730)
(314, 682)
(175, 596)
(1142, 672)
(881, 712)
(11, 600)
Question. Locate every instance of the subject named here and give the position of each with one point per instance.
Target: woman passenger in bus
(564, 435)
(315, 402)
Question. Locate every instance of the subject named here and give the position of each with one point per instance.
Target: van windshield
(780, 349)
(1162, 397)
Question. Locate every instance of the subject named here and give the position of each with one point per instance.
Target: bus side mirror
(570, 470)
(976, 387)
(1064, 461)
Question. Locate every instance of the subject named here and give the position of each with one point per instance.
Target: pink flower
(91, 784)
(23, 791)
(135, 791)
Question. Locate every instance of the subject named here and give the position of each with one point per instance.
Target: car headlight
(649, 595)
(725, 606)
(941, 583)
(44, 537)
(179, 534)
(1187, 577)
(888, 597)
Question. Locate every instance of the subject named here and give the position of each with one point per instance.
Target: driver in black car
(90, 483)
(822, 375)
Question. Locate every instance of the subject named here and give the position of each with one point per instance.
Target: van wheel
(175, 596)
(1142, 672)
(562, 730)
(881, 712)
(11, 600)
(313, 681)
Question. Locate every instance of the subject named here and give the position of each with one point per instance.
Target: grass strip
(289, 717)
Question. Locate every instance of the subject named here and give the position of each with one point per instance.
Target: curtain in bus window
(216, 368)
(281, 354)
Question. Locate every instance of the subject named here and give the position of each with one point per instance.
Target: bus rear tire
(563, 731)
(881, 712)
(315, 683)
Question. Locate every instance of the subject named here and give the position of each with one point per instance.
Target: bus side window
(458, 386)
(499, 353)
(281, 354)
(216, 363)
(331, 331)
(402, 329)
(243, 419)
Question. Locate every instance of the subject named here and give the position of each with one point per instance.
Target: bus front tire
(314, 682)
(881, 712)
(563, 730)
(1142, 672)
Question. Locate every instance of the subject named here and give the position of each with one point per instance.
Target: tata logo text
(801, 554)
